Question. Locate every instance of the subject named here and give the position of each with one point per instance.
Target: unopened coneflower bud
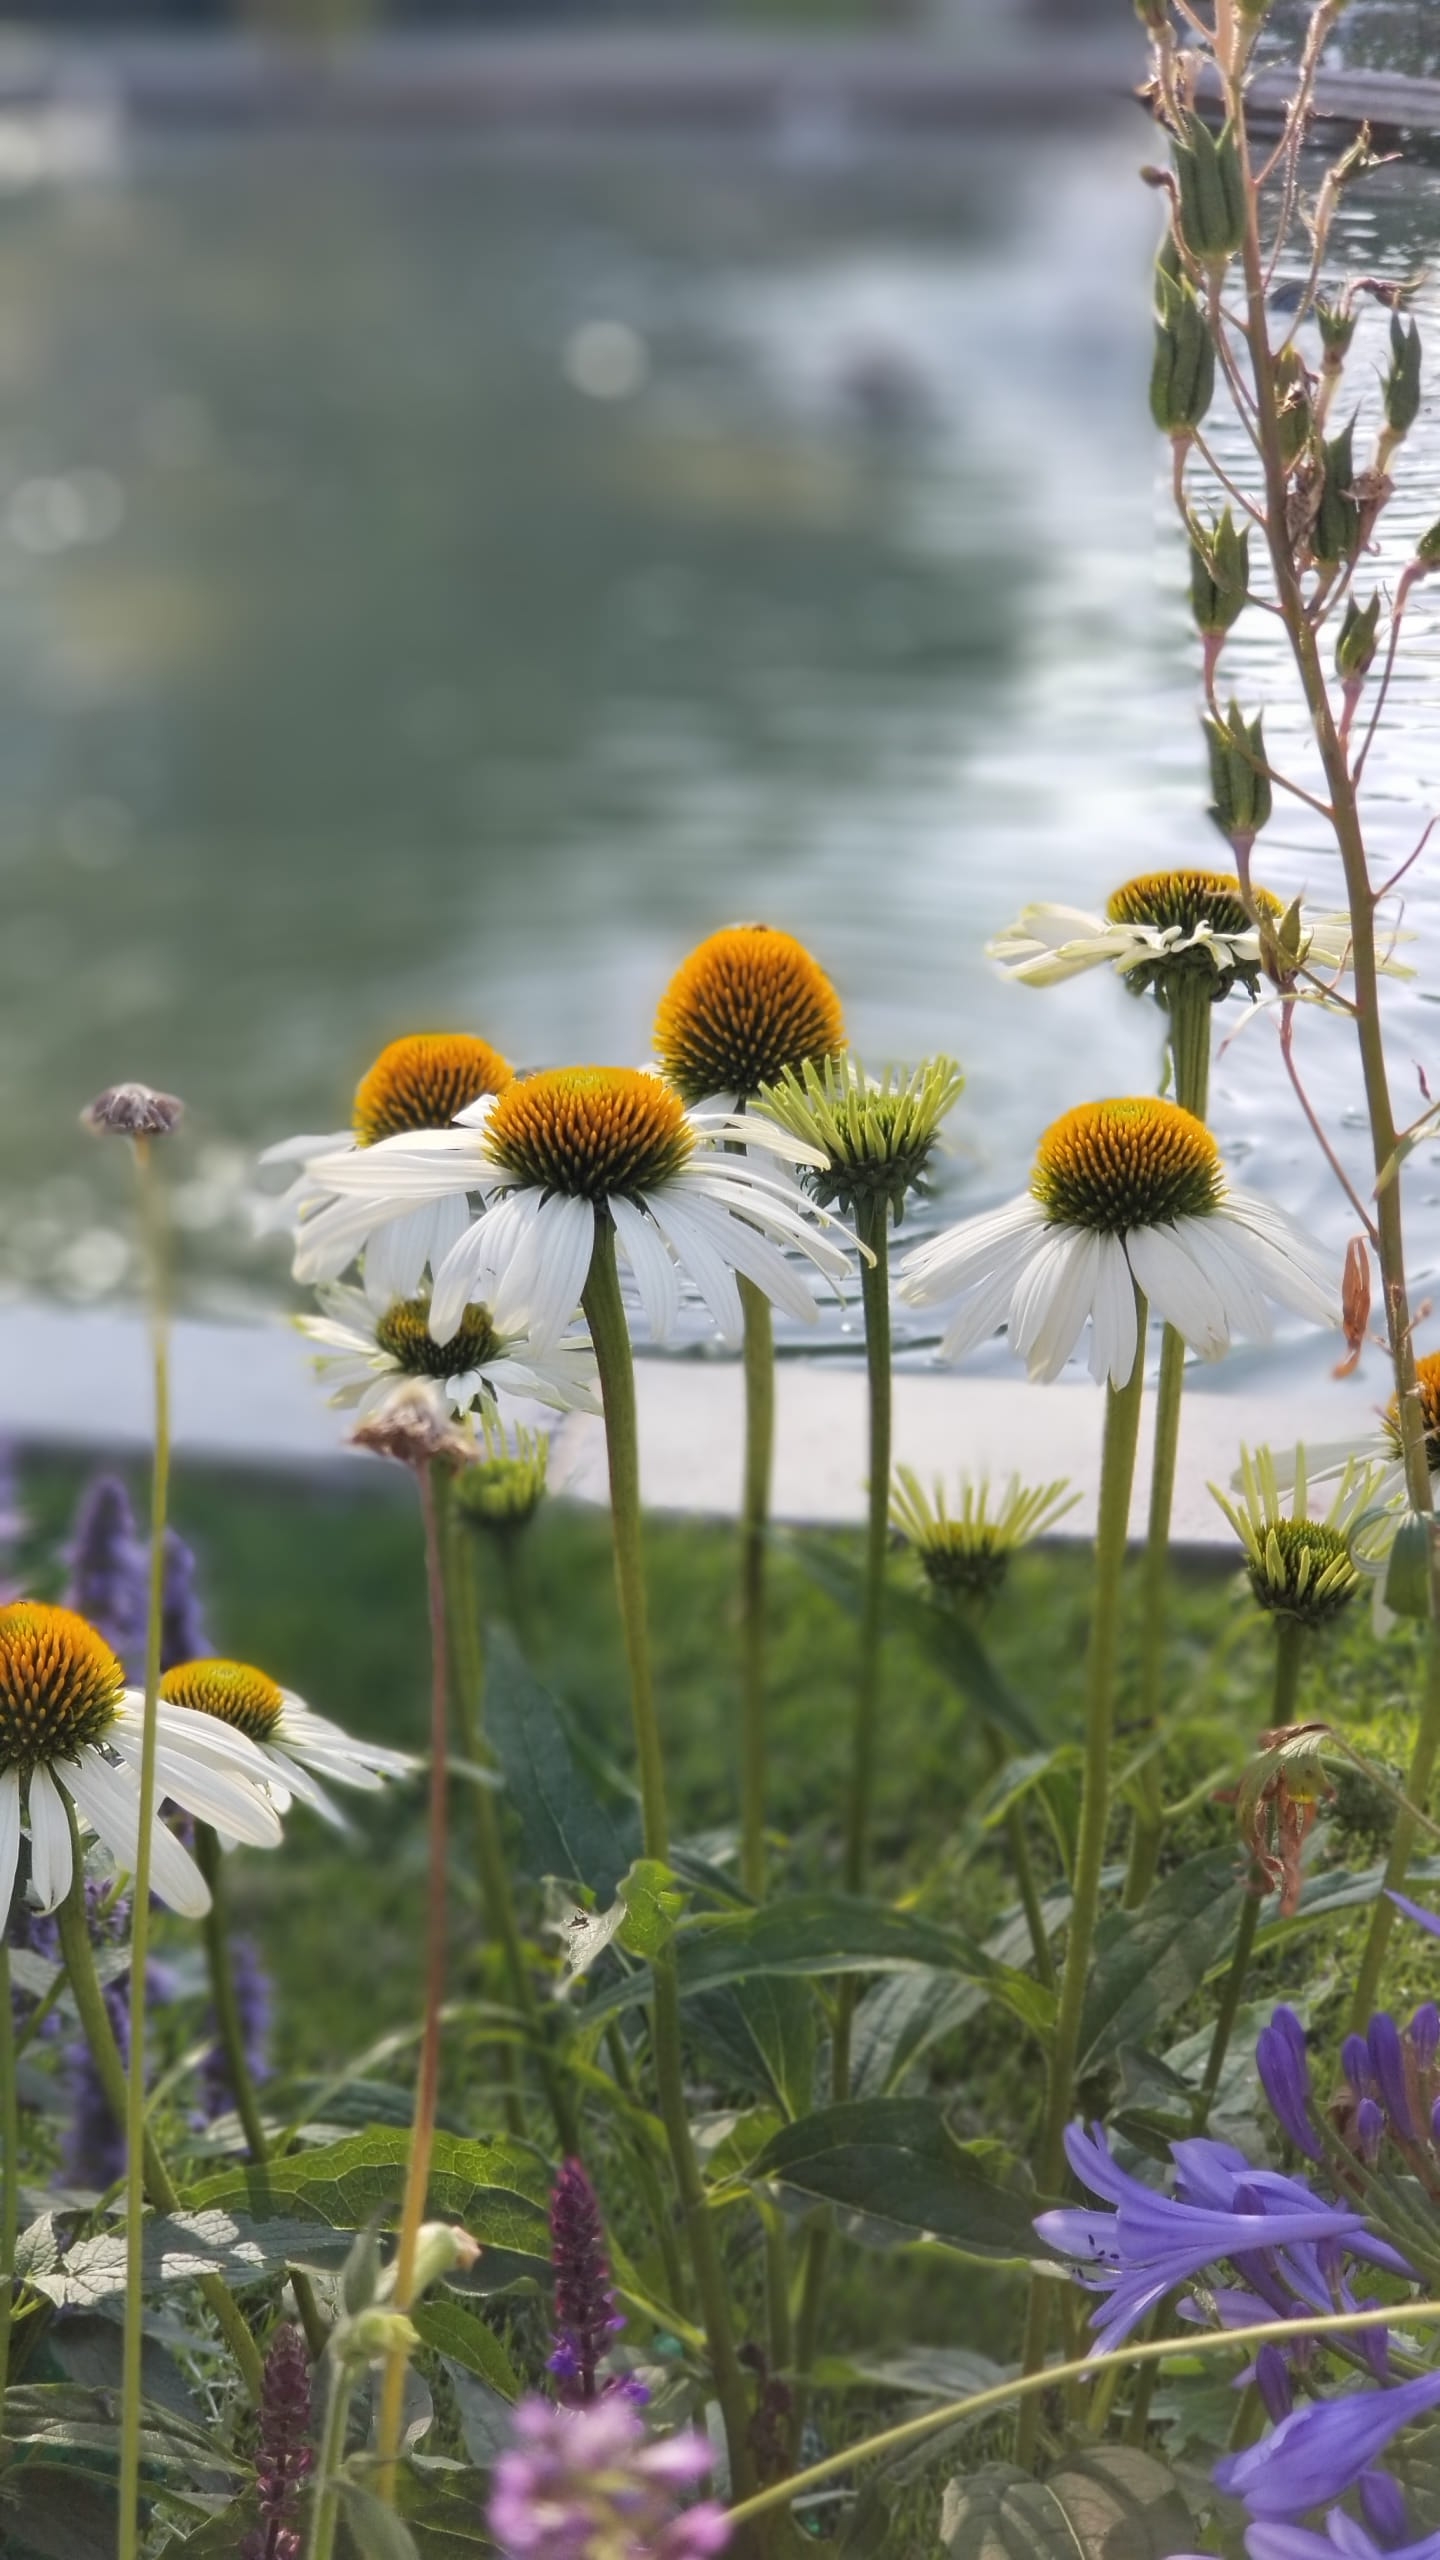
(413, 1426)
(503, 1490)
(964, 1548)
(877, 1134)
(133, 1111)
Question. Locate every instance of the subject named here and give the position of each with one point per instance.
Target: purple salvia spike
(108, 1576)
(184, 1636)
(585, 2315)
(1387, 2061)
(284, 2456)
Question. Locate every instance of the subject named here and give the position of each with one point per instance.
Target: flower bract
(874, 1136)
(1300, 1568)
(966, 1546)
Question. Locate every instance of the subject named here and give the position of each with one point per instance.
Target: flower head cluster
(1162, 926)
(366, 1351)
(1127, 1198)
(586, 2318)
(502, 1490)
(1300, 1568)
(869, 1139)
(284, 2456)
(966, 1550)
(588, 2484)
(746, 1005)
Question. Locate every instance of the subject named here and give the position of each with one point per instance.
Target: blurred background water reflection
(442, 576)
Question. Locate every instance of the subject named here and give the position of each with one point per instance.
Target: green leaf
(177, 2248)
(564, 1828)
(1148, 1962)
(765, 2030)
(896, 2162)
(641, 1919)
(376, 2529)
(486, 2420)
(444, 2507)
(52, 2513)
(87, 2349)
(62, 2418)
(499, 2190)
(456, 2334)
(951, 1645)
(804, 1933)
(1114, 2503)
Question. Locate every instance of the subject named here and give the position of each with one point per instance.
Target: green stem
(754, 1530)
(610, 1337)
(1417, 1788)
(9, 2170)
(79, 1960)
(500, 1916)
(654, 2194)
(872, 1225)
(777, 2291)
(1117, 1474)
(1188, 1012)
(152, 1220)
(1289, 1655)
(326, 2509)
(1017, 1841)
(434, 1488)
(1092, 2368)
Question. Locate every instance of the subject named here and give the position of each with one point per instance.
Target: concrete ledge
(247, 1396)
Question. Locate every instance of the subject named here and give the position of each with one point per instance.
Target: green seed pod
(1238, 779)
(1337, 327)
(1293, 413)
(1401, 390)
(1212, 190)
(1359, 638)
(1182, 376)
(1336, 533)
(1427, 549)
(1219, 573)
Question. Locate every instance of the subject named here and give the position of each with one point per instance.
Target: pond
(436, 586)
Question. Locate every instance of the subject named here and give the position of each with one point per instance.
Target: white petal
(309, 1790)
(458, 1280)
(1114, 1344)
(399, 1250)
(216, 1797)
(303, 1150)
(1210, 1243)
(649, 1258)
(51, 1861)
(967, 1253)
(109, 1798)
(1178, 1288)
(987, 1302)
(9, 1834)
(1068, 1293)
(546, 1290)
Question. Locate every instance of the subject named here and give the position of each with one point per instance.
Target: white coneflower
(419, 1082)
(1302, 1568)
(293, 1746)
(365, 1349)
(1126, 1195)
(70, 1727)
(557, 1150)
(1162, 922)
(966, 1545)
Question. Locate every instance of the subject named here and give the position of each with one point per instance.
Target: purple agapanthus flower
(586, 2318)
(587, 2483)
(1343, 2539)
(1223, 2210)
(1283, 2062)
(1319, 2453)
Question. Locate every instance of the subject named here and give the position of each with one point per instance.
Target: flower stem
(9, 2169)
(152, 1222)
(79, 1959)
(754, 1529)
(1229, 2009)
(873, 1228)
(325, 2509)
(500, 1917)
(1417, 1788)
(1117, 1474)
(1189, 1008)
(434, 1489)
(614, 1360)
(210, 1860)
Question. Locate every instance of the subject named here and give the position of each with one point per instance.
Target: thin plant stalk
(152, 1220)
(325, 2504)
(1190, 1008)
(1289, 1655)
(433, 1488)
(209, 1857)
(9, 2170)
(79, 1961)
(499, 1901)
(610, 1336)
(1418, 1777)
(873, 1229)
(1117, 1475)
(754, 1534)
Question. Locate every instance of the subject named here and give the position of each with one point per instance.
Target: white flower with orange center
(1126, 1196)
(1163, 922)
(557, 1150)
(364, 1351)
(295, 1748)
(70, 1729)
(1323, 1461)
(419, 1082)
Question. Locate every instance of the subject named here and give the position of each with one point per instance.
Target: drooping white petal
(649, 1258)
(302, 1150)
(306, 1735)
(51, 1859)
(1210, 1243)
(468, 1272)
(423, 1164)
(308, 1789)
(399, 1252)
(9, 1834)
(542, 1288)
(965, 1254)
(778, 1213)
(699, 1233)
(986, 1303)
(1178, 1288)
(109, 1798)
(1114, 1329)
(1073, 1278)
(1288, 1263)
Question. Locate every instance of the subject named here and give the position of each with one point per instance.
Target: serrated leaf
(1147, 1963)
(805, 1933)
(895, 2162)
(564, 1828)
(37, 2250)
(499, 2190)
(1114, 2503)
(457, 2335)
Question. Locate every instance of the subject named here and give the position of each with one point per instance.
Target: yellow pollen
(60, 1684)
(588, 1131)
(1187, 899)
(404, 1331)
(1131, 1163)
(420, 1082)
(234, 1691)
(1427, 1380)
(747, 1004)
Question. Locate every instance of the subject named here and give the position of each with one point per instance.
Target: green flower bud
(360, 2275)
(1182, 376)
(440, 2247)
(1238, 778)
(1337, 327)
(1401, 389)
(1336, 533)
(1212, 190)
(375, 2334)
(1356, 646)
(1427, 549)
(1293, 415)
(1219, 573)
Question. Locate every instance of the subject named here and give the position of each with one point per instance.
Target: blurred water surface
(437, 587)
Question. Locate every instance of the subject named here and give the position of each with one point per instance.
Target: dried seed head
(133, 1111)
(414, 1427)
